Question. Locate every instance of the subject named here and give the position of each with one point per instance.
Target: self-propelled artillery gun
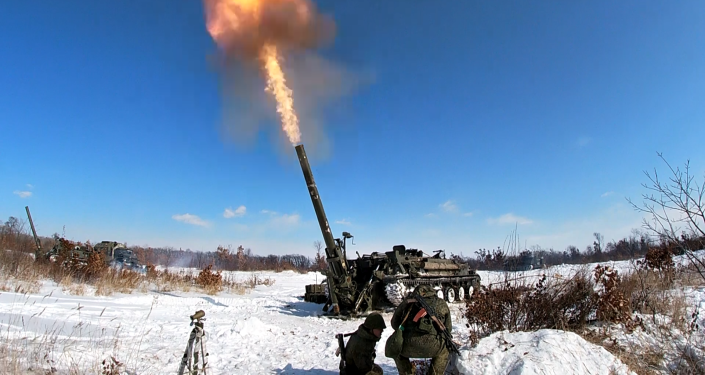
(379, 280)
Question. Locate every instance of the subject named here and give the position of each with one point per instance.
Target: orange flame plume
(261, 30)
(276, 84)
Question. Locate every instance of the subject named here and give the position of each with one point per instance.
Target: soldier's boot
(376, 370)
(439, 363)
(403, 365)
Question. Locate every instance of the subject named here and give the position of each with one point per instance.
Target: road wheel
(461, 293)
(470, 290)
(450, 294)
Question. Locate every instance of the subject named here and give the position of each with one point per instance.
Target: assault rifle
(341, 351)
(430, 311)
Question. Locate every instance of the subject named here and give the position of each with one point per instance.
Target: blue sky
(468, 118)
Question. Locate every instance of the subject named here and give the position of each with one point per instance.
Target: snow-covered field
(269, 330)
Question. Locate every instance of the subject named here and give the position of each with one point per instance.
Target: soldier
(421, 337)
(360, 352)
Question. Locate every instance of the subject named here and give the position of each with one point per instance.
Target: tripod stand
(195, 346)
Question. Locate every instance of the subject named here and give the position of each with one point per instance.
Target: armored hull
(378, 280)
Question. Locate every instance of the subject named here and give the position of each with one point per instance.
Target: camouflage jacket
(422, 339)
(360, 352)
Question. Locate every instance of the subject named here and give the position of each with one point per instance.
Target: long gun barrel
(334, 256)
(316, 199)
(38, 252)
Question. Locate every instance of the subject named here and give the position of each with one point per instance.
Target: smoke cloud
(298, 31)
(243, 27)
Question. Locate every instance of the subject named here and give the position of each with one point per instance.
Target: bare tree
(598, 245)
(320, 260)
(676, 210)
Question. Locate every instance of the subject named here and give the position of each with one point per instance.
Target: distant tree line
(15, 234)
(633, 246)
(224, 258)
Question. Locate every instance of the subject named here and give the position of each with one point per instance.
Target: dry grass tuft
(119, 281)
(211, 282)
(18, 272)
(255, 280)
(643, 362)
(112, 366)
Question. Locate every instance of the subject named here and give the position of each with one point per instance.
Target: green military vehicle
(525, 261)
(69, 251)
(379, 280)
(118, 255)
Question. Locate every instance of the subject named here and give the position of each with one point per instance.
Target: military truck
(108, 248)
(126, 259)
(379, 280)
(525, 261)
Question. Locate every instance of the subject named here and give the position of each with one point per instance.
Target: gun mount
(376, 280)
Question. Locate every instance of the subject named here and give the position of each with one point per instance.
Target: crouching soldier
(421, 337)
(360, 352)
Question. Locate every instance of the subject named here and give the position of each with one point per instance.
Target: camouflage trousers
(376, 370)
(438, 364)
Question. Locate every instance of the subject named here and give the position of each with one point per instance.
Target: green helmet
(375, 321)
(425, 290)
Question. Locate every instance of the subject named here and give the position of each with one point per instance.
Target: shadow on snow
(288, 370)
(302, 309)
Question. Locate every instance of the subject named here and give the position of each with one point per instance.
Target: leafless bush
(558, 304)
(612, 305)
(212, 282)
(676, 211)
(569, 304)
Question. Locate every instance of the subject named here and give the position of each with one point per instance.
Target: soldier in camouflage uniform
(421, 337)
(360, 352)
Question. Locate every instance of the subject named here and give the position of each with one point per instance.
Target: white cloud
(448, 206)
(607, 194)
(23, 194)
(584, 141)
(509, 218)
(431, 215)
(190, 219)
(239, 212)
(278, 219)
(30, 186)
(468, 214)
(286, 219)
(343, 222)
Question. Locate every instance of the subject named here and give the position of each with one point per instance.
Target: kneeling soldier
(360, 352)
(421, 337)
